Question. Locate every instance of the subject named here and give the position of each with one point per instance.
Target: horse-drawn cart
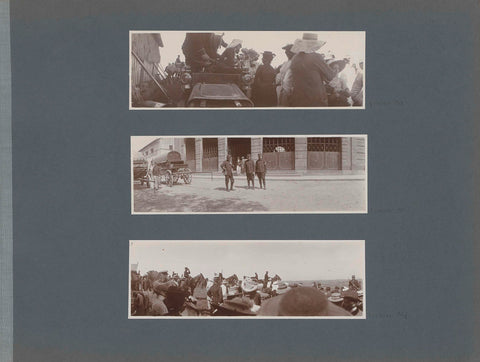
(172, 169)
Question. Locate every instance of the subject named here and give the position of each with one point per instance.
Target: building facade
(161, 146)
(300, 155)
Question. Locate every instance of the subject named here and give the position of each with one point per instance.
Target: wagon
(140, 172)
(216, 90)
(172, 169)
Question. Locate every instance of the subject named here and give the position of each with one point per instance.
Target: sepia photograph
(247, 69)
(247, 279)
(249, 174)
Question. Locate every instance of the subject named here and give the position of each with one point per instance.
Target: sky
(291, 260)
(138, 142)
(340, 43)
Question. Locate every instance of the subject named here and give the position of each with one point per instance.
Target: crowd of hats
(279, 299)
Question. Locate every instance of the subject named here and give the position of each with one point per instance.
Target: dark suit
(309, 72)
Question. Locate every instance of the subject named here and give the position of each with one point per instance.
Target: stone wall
(256, 146)
(359, 155)
(301, 154)
(198, 154)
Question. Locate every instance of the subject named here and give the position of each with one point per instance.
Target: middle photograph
(249, 174)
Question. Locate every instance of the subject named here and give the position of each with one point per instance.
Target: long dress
(263, 89)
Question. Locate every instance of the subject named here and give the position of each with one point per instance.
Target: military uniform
(250, 171)
(227, 169)
(261, 170)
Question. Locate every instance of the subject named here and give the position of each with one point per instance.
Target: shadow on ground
(150, 201)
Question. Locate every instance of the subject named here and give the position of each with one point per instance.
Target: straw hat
(249, 285)
(237, 306)
(335, 298)
(308, 44)
(282, 288)
(341, 63)
(350, 294)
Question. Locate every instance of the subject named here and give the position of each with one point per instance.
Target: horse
(197, 304)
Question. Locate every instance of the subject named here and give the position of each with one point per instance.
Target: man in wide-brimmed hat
(309, 72)
(263, 89)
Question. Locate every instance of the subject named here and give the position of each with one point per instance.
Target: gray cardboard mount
(71, 129)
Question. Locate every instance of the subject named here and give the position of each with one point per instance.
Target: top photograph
(247, 70)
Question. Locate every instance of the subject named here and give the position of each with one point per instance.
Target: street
(205, 195)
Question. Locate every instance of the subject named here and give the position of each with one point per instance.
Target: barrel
(172, 156)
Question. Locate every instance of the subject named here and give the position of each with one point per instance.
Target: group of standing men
(251, 168)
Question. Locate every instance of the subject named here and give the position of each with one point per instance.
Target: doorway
(239, 147)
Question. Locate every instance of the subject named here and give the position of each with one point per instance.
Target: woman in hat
(337, 89)
(263, 90)
(309, 72)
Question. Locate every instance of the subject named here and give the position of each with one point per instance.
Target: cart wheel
(169, 178)
(175, 179)
(187, 177)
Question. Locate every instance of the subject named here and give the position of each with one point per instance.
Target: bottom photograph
(247, 279)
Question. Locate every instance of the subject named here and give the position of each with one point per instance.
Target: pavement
(206, 195)
(295, 176)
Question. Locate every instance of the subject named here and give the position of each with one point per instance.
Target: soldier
(354, 284)
(261, 170)
(227, 170)
(250, 171)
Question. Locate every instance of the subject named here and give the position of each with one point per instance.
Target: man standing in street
(250, 171)
(261, 170)
(227, 170)
(157, 172)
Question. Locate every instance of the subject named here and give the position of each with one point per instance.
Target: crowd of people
(244, 166)
(306, 79)
(161, 294)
